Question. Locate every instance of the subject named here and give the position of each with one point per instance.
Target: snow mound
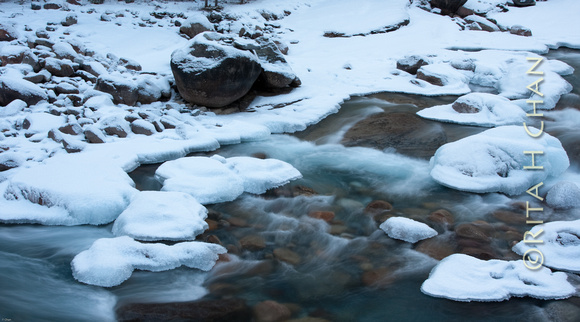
(464, 278)
(480, 109)
(66, 190)
(563, 195)
(111, 261)
(560, 247)
(154, 215)
(493, 161)
(207, 180)
(370, 17)
(261, 175)
(407, 229)
(217, 179)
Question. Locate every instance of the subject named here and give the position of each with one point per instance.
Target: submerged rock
(205, 310)
(407, 133)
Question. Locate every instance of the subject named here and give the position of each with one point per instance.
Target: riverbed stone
(271, 311)
(406, 133)
(204, 310)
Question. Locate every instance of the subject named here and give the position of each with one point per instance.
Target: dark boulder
(524, 3)
(61, 68)
(211, 73)
(411, 64)
(124, 91)
(447, 6)
(276, 73)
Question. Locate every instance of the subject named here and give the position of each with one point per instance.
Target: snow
(13, 108)
(464, 278)
(198, 18)
(216, 179)
(191, 64)
(155, 215)
(206, 179)
(406, 229)
(560, 247)
(492, 111)
(261, 175)
(111, 261)
(73, 190)
(563, 195)
(493, 161)
(484, 6)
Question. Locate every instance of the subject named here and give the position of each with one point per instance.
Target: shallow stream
(341, 268)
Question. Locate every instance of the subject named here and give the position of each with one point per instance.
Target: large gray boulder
(211, 73)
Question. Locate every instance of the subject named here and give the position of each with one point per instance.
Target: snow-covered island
(288, 160)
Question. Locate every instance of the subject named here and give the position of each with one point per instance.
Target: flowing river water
(342, 268)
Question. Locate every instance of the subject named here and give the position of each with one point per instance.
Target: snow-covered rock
(216, 179)
(560, 245)
(406, 229)
(195, 24)
(480, 109)
(158, 215)
(111, 261)
(464, 278)
(563, 195)
(493, 161)
(442, 75)
(206, 179)
(66, 190)
(124, 91)
(12, 88)
(261, 175)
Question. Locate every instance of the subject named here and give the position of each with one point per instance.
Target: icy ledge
(111, 261)
(464, 278)
(217, 179)
(493, 161)
(560, 247)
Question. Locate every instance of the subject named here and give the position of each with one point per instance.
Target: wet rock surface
(405, 133)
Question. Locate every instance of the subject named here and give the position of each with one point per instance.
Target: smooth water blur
(343, 269)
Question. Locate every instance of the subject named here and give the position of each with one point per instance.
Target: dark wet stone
(407, 133)
(271, 311)
(441, 216)
(225, 310)
(472, 231)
